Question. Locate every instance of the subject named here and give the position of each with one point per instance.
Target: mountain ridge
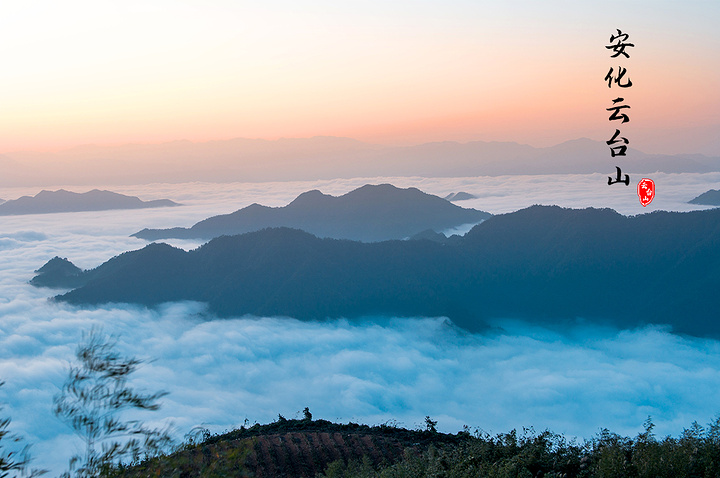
(542, 263)
(369, 213)
(46, 202)
(293, 159)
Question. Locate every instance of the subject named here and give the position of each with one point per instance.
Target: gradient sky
(400, 72)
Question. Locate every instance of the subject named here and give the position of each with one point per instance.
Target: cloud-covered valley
(221, 372)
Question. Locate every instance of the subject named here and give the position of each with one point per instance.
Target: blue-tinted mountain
(430, 235)
(708, 198)
(370, 213)
(459, 196)
(58, 273)
(66, 201)
(542, 263)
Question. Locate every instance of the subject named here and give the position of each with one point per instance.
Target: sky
(404, 72)
(219, 372)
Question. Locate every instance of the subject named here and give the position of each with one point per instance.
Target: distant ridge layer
(370, 213)
(66, 201)
(708, 198)
(310, 159)
(459, 196)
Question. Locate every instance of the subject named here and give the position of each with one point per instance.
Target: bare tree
(91, 401)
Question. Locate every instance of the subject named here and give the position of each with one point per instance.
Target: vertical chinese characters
(619, 78)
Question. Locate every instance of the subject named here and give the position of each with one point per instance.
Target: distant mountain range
(543, 263)
(708, 198)
(66, 201)
(250, 160)
(370, 213)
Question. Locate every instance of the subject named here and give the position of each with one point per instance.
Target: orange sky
(105, 72)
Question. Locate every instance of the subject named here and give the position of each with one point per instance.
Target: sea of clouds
(220, 373)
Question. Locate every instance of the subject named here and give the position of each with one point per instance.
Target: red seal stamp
(646, 191)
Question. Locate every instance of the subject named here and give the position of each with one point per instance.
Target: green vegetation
(321, 449)
(95, 393)
(544, 264)
(695, 454)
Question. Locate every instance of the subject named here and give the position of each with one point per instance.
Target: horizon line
(284, 138)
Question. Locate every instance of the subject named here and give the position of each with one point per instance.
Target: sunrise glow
(86, 72)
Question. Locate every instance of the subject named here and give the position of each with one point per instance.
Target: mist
(326, 157)
(220, 373)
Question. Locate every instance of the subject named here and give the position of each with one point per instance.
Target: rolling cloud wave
(221, 372)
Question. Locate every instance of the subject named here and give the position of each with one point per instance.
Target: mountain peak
(57, 273)
(708, 198)
(369, 213)
(310, 198)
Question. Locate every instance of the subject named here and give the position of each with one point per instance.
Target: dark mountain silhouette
(66, 201)
(460, 196)
(370, 213)
(430, 235)
(708, 198)
(58, 273)
(542, 263)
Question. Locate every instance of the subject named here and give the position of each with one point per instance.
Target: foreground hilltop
(370, 213)
(321, 449)
(292, 448)
(66, 201)
(543, 263)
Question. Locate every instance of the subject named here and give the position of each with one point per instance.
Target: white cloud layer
(220, 372)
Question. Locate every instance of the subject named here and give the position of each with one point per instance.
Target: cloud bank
(221, 372)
